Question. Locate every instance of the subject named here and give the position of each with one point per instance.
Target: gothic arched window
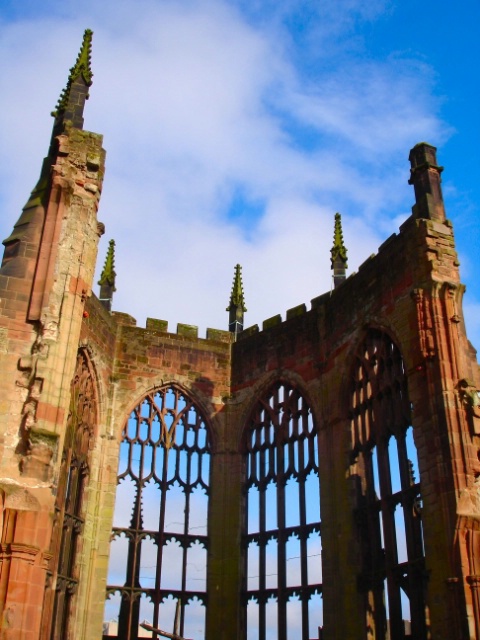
(385, 469)
(282, 529)
(158, 554)
(69, 513)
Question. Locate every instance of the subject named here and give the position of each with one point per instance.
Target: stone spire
(107, 278)
(72, 99)
(69, 108)
(339, 253)
(236, 308)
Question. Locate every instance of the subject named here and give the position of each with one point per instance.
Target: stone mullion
(374, 542)
(130, 609)
(382, 407)
(59, 618)
(389, 534)
(68, 555)
(417, 578)
(365, 417)
(186, 532)
(67, 538)
(303, 534)
(403, 463)
(56, 546)
(161, 536)
(65, 542)
(281, 550)
(413, 536)
(413, 526)
(245, 545)
(262, 542)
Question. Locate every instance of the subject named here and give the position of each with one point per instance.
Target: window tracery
(385, 468)
(282, 528)
(63, 575)
(159, 541)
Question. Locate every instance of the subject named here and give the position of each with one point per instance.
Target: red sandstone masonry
(37, 367)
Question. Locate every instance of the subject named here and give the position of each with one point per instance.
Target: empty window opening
(159, 539)
(63, 573)
(282, 527)
(384, 460)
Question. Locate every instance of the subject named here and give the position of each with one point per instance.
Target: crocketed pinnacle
(81, 69)
(338, 250)
(108, 274)
(236, 298)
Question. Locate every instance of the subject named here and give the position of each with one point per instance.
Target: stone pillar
(225, 614)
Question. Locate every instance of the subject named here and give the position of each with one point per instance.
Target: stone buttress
(45, 280)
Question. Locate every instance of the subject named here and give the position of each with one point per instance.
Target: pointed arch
(282, 544)
(389, 504)
(69, 519)
(159, 540)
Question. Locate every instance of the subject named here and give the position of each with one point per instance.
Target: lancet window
(158, 555)
(63, 575)
(282, 527)
(389, 504)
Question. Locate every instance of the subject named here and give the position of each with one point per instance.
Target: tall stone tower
(317, 477)
(45, 279)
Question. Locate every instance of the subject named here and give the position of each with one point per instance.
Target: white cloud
(197, 100)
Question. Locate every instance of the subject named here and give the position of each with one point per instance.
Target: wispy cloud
(199, 101)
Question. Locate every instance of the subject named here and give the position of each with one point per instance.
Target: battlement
(156, 325)
(389, 252)
(294, 312)
(191, 331)
(316, 302)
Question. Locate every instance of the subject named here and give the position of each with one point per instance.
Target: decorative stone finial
(236, 307)
(72, 99)
(107, 277)
(339, 253)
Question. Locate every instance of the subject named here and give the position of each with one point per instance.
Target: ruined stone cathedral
(317, 477)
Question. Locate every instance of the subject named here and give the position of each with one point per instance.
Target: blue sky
(235, 130)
